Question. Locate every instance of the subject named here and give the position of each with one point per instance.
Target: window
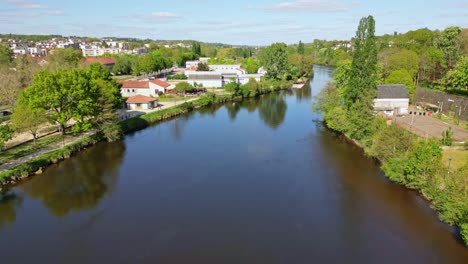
(133, 90)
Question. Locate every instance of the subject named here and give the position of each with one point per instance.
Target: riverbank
(416, 164)
(36, 165)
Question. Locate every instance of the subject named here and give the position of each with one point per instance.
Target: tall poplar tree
(360, 89)
(363, 72)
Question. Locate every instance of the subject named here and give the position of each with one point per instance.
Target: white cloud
(162, 17)
(312, 6)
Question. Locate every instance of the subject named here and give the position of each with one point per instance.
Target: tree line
(347, 107)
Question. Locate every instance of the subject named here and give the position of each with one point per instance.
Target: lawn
(459, 158)
(453, 121)
(29, 148)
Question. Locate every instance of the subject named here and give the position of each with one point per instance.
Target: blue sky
(235, 22)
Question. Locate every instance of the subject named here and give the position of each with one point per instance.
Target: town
(297, 149)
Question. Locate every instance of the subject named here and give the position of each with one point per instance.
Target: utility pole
(448, 170)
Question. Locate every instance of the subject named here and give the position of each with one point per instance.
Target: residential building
(105, 61)
(392, 99)
(141, 102)
(151, 88)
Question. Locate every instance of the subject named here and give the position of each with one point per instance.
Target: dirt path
(16, 162)
(127, 113)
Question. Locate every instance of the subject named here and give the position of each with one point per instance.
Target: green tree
(416, 169)
(203, 67)
(301, 48)
(6, 55)
(25, 118)
(65, 58)
(196, 48)
(399, 59)
(363, 71)
(232, 87)
(402, 77)
(275, 60)
(458, 77)
(251, 65)
(75, 93)
(391, 142)
(448, 42)
(10, 86)
(447, 137)
(123, 64)
(183, 87)
(6, 133)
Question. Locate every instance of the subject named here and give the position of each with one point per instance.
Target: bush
(447, 137)
(179, 76)
(464, 232)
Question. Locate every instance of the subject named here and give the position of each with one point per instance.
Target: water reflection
(272, 109)
(9, 202)
(177, 126)
(79, 183)
(305, 93)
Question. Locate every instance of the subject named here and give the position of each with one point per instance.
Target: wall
(140, 91)
(207, 83)
(450, 103)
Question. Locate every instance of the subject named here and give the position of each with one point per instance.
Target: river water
(260, 181)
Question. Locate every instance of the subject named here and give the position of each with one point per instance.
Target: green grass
(459, 158)
(453, 121)
(29, 148)
(25, 169)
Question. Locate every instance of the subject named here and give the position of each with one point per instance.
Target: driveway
(426, 126)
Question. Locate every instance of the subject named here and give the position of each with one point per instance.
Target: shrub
(447, 137)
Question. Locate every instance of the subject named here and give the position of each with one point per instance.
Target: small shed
(392, 99)
(141, 102)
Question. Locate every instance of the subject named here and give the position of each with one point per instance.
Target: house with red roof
(141, 102)
(108, 62)
(150, 88)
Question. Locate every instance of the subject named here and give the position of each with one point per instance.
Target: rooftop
(140, 99)
(392, 91)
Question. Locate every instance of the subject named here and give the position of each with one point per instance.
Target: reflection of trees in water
(272, 109)
(9, 202)
(78, 183)
(176, 127)
(209, 110)
(234, 108)
(305, 93)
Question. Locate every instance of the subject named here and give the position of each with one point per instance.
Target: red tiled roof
(103, 61)
(160, 83)
(140, 99)
(135, 84)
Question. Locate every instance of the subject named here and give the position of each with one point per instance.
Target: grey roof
(393, 91)
(205, 77)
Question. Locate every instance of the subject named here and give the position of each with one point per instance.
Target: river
(258, 181)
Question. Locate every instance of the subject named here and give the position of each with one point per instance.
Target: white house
(147, 88)
(391, 98)
(235, 68)
(141, 102)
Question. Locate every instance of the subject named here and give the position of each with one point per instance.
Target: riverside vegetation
(406, 159)
(91, 98)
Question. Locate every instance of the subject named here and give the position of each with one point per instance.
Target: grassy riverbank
(36, 165)
(416, 163)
